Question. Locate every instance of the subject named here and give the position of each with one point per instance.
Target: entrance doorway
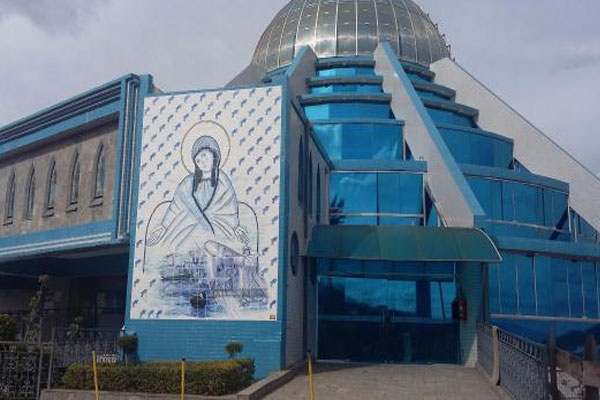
(399, 315)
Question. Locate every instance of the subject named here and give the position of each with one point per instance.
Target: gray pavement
(375, 382)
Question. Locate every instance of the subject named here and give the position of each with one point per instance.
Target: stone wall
(87, 210)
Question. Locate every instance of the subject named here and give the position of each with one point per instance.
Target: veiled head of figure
(207, 158)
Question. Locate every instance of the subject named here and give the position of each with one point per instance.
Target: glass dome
(338, 28)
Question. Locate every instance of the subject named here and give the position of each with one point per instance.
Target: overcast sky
(541, 56)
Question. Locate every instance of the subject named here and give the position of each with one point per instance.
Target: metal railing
(532, 371)
(523, 367)
(485, 348)
(516, 364)
(27, 368)
(23, 369)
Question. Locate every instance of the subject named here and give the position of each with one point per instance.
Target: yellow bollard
(310, 377)
(95, 368)
(183, 379)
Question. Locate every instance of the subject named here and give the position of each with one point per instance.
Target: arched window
(30, 195)
(100, 173)
(310, 185)
(51, 186)
(301, 172)
(294, 254)
(318, 218)
(9, 207)
(74, 180)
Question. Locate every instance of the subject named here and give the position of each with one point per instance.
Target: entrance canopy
(403, 243)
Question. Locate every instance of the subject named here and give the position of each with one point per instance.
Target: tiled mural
(207, 228)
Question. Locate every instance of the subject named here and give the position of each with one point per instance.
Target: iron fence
(27, 368)
(72, 347)
(523, 367)
(24, 369)
(485, 348)
(532, 371)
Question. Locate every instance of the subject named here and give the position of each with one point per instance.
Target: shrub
(214, 378)
(128, 343)
(8, 328)
(234, 348)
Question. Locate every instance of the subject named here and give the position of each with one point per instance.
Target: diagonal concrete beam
(456, 201)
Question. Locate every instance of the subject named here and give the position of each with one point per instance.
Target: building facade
(353, 192)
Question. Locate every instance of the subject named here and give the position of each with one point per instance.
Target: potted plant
(128, 344)
(233, 349)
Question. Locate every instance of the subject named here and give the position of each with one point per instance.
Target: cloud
(53, 16)
(538, 59)
(582, 56)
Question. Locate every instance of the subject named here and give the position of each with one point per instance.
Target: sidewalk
(378, 382)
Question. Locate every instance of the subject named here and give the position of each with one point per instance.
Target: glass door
(386, 320)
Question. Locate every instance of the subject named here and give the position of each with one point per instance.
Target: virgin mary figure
(204, 208)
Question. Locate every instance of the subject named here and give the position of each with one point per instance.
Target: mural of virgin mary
(204, 207)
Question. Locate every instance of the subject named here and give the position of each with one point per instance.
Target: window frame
(98, 192)
(50, 194)
(29, 203)
(300, 174)
(9, 202)
(72, 202)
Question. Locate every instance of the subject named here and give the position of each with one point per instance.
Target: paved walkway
(378, 382)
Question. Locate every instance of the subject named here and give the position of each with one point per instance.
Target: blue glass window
(469, 147)
(450, 117)
(361, 141)
(489, 194)
(524, 204)
(575, 289)
(526, 279)
(354, 192)
(400, 193)
(508, 280)
(590, 289)
(365, 198)
(349, 109)
(560, 289)
(442, 296)
(585, 232)
(556, 204)
(543, 273)
(346, 88)
(346, 71)
(494, 288)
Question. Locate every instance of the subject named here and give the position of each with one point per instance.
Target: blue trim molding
(116, 101)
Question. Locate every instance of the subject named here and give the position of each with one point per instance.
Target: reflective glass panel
(525, 272)
(544, 281)
(360, 141)
(560, 289)
(353, 193)
(442, 296)
(494, 288)
(508, 280)
(590, 289)
(575, 289)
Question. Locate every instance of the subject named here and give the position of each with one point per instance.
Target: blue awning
(403, 243)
